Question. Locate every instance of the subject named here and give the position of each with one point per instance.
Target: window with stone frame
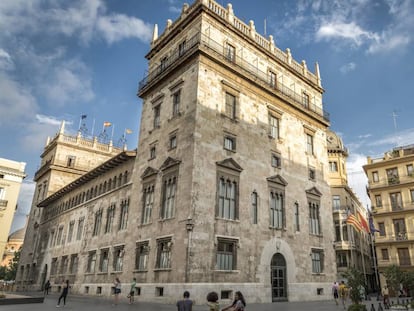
(230, 105)
(64, 265)
(396, 201)
(317, 257)
(226, 254)
(73, 266)
(375, 176)
(148, 202)
(381, 228)
(384, 254)
(141, 256)
(333, 166)
(169, 189)
(70, 162)
(104, 260)
(412, 195)
(314, 197)
(98, 223)
(228, 175)
(272, 79)
(181, 48)
(410, 170)
(176, 99)
(273, 126)
(118, 259)
(123, 219)
(164, 248)
(230, 52)
(392, 176)
(54, 266)
(336, 202)
(90, 268)
(80, 228)
(404, 257)
(277, 209)
(59, 238)
(305, 99)
(172, 141)
(229, 142)
(296, 220)
(312, 174)
(52, 238)
(254, 200)
(276, 160)
(153, 152)
(157, 116)
(309, 144)
(110, 216)
(378, 200)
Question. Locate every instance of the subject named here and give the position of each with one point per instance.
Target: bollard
(372, 307)
(380, 307)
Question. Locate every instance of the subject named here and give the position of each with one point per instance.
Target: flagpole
(93, 126)
(363, 258)
(80, 122)
(113, 128)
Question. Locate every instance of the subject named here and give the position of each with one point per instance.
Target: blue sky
(63, 59)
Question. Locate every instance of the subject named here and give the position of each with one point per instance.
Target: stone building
(391, 190)
(14, 242)
(11, 177)
(228, 189)
(65, 158)
(353, 247)
(231, 171)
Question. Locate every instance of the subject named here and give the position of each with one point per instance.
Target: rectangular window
(148, 200)
(341, 260)
(181, 48)
(226, 254)
(384, 254)
(64, 265)
(157, 116)
(173, 142)
(80, 228)
(273, 127)
(272, 79)
(110, 216)
(164, 253)
(309, 144)
(392, 176)
(141, 256)
(71, 161)
(404, 256)
(312, 174)
(176, 103)
(91, 262)
(378, 200)
(153, 152)
(123, 220)
(375, 176)
(277, 210)
(333, 166)
(396, 201)
(97, 224)
(254, 207)
(336, 202)
(227, 198)
(104, 259)
(381, 228)
(54, 266)
(70, 231)
(337, 231)
(296, 222)
(230, 109)
(410, 170)
(314, 218)
(317, 261)
(230, 52)
(59, 236)
(400, 230)
(73, 267)
(305, 99)
(168, 197)
(412, 195)
(276, 160)
(163, 63)
(118, 258)
(229, 143)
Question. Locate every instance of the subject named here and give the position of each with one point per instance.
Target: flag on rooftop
(83, 116)
(128, 131)
(107, 124)
(372, 226)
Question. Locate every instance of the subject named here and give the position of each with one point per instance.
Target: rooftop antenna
(265, 27)
(394, 116)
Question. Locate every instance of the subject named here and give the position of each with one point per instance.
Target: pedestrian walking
(185, 304)
(132, 291)
(212, 303)
(47, 287)
(239, 304)
(386, 296)
(335, 290)
(64, 294)
(343, 293)
(117, 290)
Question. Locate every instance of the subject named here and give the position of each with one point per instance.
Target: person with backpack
(343, 293)
(335, 290)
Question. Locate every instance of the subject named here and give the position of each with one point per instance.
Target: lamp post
(189, 226)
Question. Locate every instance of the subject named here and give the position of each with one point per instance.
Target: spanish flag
(363, 222)
(107, 124)
(128, 131)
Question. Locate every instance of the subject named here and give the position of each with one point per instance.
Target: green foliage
(3, 270)
(395, 276)
(357, 307)
(9, 273)
(355, 281)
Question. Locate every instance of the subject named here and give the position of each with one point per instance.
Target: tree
(394, 277)
(3, 270)
(355, 281)
(12, 267)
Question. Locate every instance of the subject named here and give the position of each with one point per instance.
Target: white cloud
(364, 136)
(24, 203)
(401, 138)
(348, 68)
(346, 31)
(48, 120)
(387, 43)
(6, 62)
(17, 105)
(357, 179)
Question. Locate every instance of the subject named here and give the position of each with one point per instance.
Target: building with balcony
(353, 247)
(11, 177)
(65, 158)
(231, 170)
(391, 190)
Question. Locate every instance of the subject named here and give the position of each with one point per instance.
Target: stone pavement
(104, 304)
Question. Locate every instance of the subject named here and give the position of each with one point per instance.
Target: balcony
(201, 42)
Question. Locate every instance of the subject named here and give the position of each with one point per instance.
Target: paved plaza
(104, 304)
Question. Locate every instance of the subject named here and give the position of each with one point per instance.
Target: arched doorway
(278, 278)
